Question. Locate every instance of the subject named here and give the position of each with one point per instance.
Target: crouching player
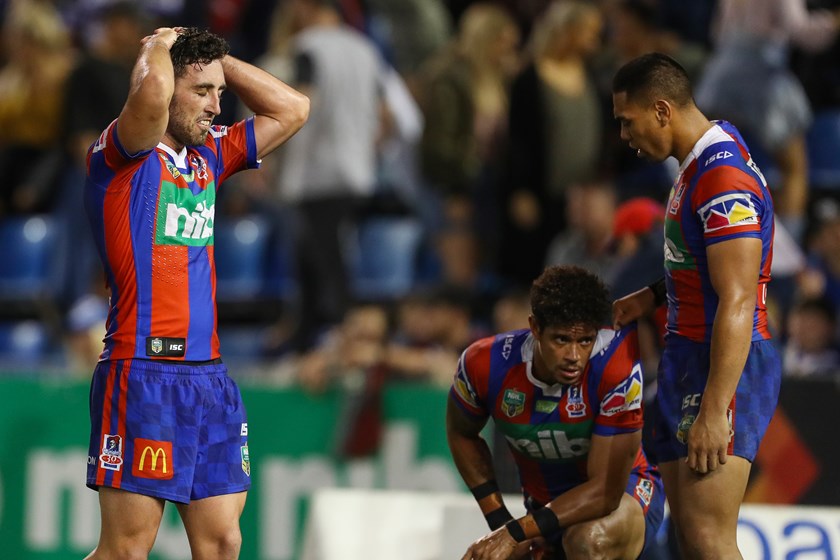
(567, 395)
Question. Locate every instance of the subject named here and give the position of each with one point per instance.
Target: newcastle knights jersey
(549, 427)
(720, 194)
(152, 216)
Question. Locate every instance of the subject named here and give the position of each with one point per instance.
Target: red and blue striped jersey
(152, 216)
(549, 427)
(720, 194)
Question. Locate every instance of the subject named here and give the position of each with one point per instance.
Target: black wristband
(484, 489)
(498, 517)
(659, 292)
(516, 531)
(547, 521)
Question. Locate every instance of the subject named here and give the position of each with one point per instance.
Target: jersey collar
(179, 158)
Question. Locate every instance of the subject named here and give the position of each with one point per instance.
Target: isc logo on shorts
(152, 459)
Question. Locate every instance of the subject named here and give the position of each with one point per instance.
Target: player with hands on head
(167, 422)
(719, 376)
(567, 395)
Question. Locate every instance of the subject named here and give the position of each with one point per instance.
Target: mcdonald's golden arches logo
(152, 459)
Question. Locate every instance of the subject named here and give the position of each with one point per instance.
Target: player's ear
(535, 327)
(663, 111)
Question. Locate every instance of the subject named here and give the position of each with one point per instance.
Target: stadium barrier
(46, 512)
(354, 524)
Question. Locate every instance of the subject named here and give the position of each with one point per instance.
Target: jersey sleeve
(621, 387)
(236, 146)
(729, 204)
(107, 155)
(469, 388)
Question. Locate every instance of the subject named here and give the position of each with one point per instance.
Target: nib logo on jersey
(184, 217)
(728, 211)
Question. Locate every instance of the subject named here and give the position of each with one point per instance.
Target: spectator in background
(555, 138)
(96, 91)
(633, 29)
(32, 82)
(748, 81)
(433, 328)
(463, 92)
(328, 170)
(821, 277)
(587, 240)
(811, 348)
(352, 357)
(637, 239)
(414, 30)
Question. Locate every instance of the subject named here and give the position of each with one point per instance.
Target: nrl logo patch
(683, 427)
(246, 460)
(513, 403)
(157, 345)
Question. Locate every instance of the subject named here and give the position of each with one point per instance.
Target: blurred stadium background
(346, 387)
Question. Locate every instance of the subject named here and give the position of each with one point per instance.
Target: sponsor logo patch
(729, 210)
(462, 386)
(644, 490)
(545, 407)
(507, 346)
(246, 460)
(676, 198)
(184, 218)
(152, 459)
(627, 396)
(683, 427)
(575, 407)
(112, 452)
(513, 403)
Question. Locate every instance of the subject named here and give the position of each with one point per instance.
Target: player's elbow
(298, 111)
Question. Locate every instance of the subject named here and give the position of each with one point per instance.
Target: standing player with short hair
(719, 376)
(167, 423)
(567, 396)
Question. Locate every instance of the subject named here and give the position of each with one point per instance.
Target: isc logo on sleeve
(152, 459)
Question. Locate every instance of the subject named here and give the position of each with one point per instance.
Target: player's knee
(587, 541)
(226, 545)
(706, 541)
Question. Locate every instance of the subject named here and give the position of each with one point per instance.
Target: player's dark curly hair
(196, 47)
(569, 295)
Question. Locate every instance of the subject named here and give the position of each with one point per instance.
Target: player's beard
(185, 130)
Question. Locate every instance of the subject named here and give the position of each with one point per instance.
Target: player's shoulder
(501, 348)
(614, 345)
(722, 147)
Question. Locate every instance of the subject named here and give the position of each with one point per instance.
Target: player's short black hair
(563, 296)
(195, 47)
(651, 76)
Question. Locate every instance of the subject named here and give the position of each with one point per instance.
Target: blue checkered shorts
(682, 377)
(172, 431)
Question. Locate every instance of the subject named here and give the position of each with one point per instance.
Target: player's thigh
(129, 520)
(213, 519)
(621, 534)
(706, 506)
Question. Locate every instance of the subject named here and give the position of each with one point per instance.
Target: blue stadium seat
(28, 345)
(383, 260)
(242, 254)
(27, 246)
(823, 144)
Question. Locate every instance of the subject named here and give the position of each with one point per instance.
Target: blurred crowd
(454, 149)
